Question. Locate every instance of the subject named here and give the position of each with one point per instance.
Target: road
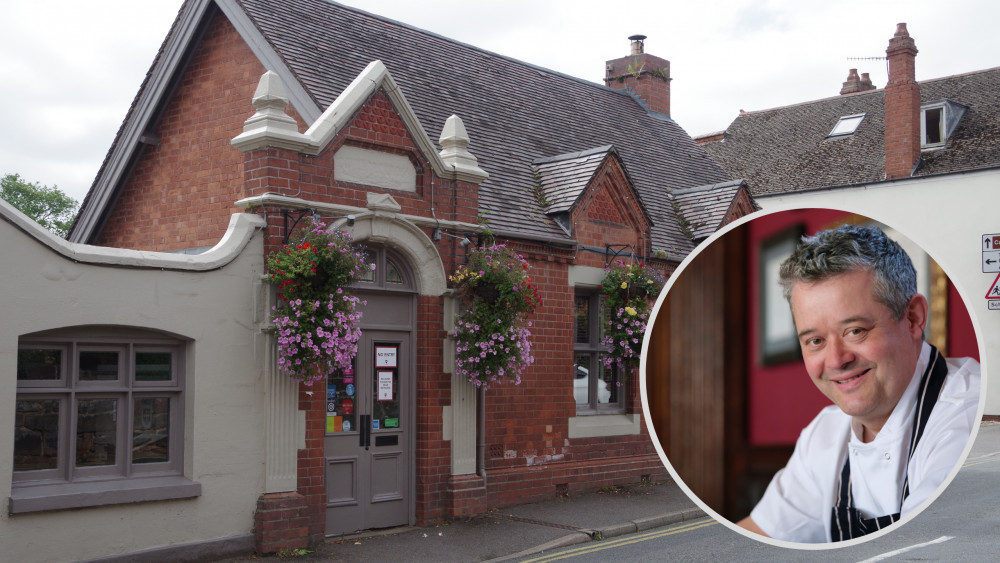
(963, 524)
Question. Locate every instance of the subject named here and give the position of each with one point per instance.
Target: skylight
(847, 125)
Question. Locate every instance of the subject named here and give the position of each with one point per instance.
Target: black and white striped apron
(848, 522)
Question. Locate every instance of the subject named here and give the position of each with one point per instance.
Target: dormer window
(938, 121)
(846, 126)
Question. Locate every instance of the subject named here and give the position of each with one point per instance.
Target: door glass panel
(385, 387)
(39, 365)
(98, 365)
(96, 432)
(36, 434)
(581, 378)
(151, 430)
(341, 396)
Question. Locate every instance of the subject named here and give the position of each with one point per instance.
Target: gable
(608, 211)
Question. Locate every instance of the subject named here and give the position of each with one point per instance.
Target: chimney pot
(638, 46)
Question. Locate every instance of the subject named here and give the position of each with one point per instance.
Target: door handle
(365, 435)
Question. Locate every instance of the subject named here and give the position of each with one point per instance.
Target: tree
(50, 207)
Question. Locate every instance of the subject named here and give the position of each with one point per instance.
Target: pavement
(515, 532)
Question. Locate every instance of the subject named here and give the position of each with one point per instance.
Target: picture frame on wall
(778, 342)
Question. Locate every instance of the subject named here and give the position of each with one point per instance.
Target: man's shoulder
(962, 384)
(829, 430)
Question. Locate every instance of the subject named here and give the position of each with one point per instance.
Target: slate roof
(703, 208)
(786, 149)
(514, 112)
(562, 179)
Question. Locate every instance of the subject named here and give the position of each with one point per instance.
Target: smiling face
(856, 353)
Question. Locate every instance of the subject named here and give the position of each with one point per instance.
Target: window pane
(153, 366)
(582, 319)
(392, 274)
(96, 432)
(581, 379)
(98, 366)
(39, 365)
(151, 430)
(932, 125)
(36, 435)
(608, 389)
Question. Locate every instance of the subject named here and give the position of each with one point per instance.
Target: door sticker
(385, 356)
(384, 385)
(391, 423)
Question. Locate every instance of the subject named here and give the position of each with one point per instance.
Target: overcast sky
(69, 68)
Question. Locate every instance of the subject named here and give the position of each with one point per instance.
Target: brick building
(415, 143)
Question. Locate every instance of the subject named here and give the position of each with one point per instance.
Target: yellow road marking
(627, 540)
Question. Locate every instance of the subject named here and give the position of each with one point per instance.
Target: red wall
(781, 398)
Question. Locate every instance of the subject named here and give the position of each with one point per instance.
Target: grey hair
(851, 248)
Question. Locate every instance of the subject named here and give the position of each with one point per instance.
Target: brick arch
(393, 231)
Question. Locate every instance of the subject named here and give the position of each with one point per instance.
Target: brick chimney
(856, 84)
(902, 107)
(645, 75)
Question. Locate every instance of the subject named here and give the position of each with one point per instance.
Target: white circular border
(704, 507)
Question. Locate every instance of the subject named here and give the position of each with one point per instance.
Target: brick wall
(648, 76)
(181, 191)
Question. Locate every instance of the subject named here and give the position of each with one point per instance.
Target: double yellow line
(625, 540)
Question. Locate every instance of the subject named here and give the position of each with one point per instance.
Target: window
(847, 125)
(938, 121)
(390, 270)
(91, 413)
(595, 387)
(932, 126)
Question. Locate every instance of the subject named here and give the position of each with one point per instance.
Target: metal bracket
(288, 213)
(613, 251)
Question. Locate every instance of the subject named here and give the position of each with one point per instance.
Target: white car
(580, 387)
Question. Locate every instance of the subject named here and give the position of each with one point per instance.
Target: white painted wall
(946, 216)
(209, 299)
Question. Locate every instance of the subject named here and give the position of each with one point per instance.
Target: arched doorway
(370, 431)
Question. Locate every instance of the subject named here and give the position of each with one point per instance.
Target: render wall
(214, 312)
(945, 215)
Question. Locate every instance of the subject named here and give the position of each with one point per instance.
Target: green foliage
(492, 340)
(629, 291)
(49, 207)
(317, 322)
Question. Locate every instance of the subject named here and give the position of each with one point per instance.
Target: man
(902, 413)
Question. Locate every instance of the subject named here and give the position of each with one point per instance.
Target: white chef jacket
(798, 503)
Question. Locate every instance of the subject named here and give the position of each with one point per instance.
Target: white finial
(454, 148)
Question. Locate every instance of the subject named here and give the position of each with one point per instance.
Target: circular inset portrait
(811, 378)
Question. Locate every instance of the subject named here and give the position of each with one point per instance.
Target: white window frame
(125, 480)
(942, 126)
(847, 130)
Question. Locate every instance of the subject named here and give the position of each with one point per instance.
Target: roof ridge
(870, 92)
(572, 155)
(476, 48)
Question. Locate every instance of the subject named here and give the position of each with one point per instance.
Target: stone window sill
(600, 426)
(62, 496)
